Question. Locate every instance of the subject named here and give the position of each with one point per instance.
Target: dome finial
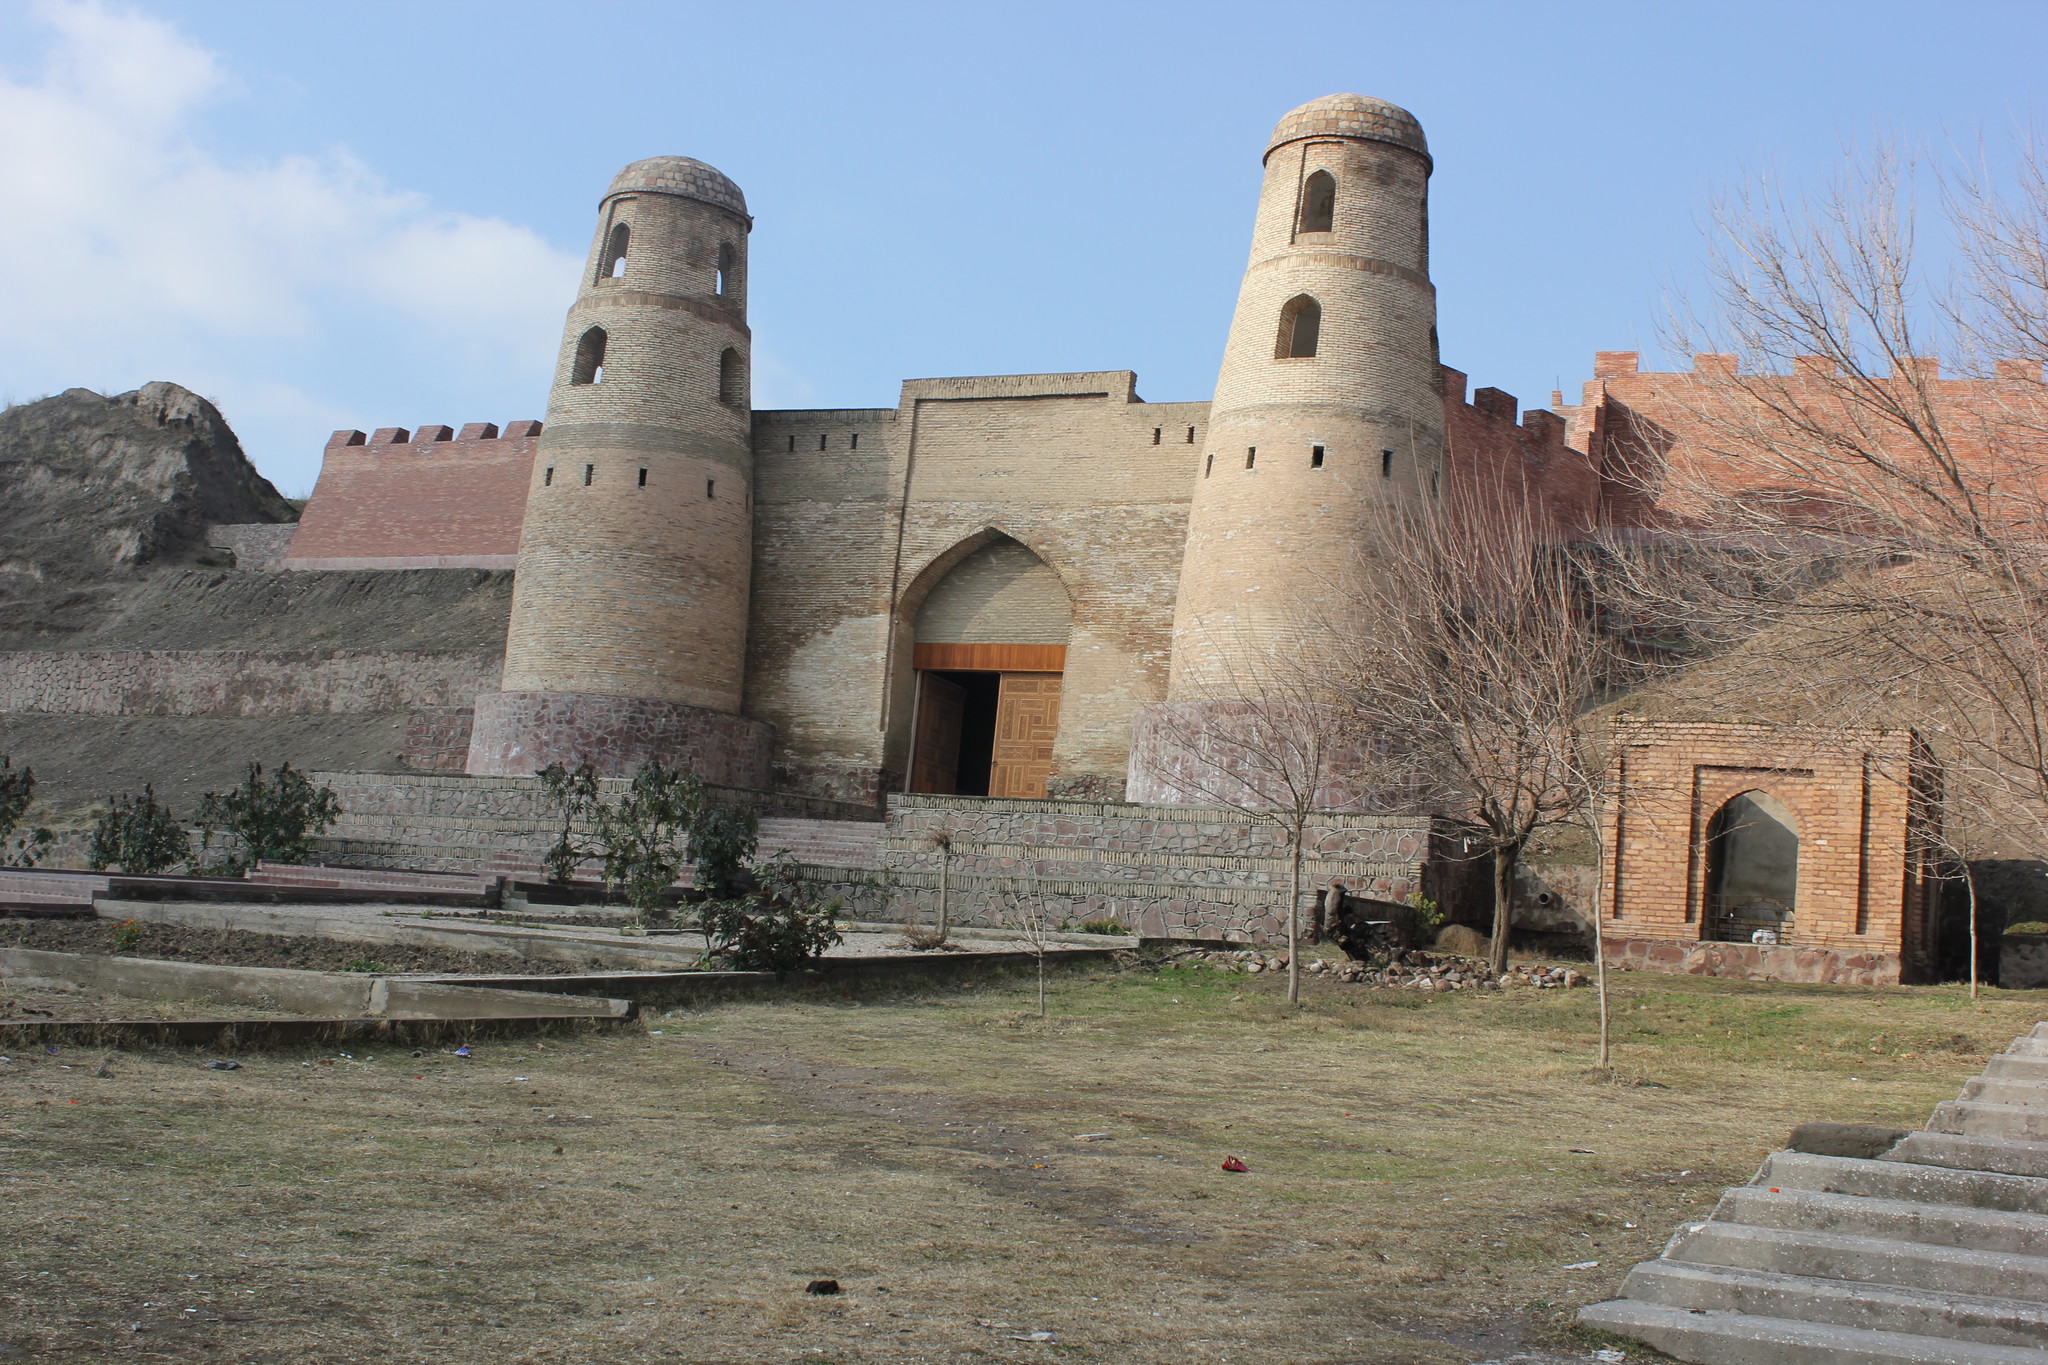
(1358, 116)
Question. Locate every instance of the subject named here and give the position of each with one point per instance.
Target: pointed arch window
(614, 264)
(724, 281)
(732, 379)
(1319, 202)
(1301, 327)
(588, 366)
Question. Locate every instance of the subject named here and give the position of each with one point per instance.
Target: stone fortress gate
(977, 613)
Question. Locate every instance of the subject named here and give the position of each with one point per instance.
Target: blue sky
(371, 214)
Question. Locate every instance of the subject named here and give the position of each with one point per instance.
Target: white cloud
(130, 250)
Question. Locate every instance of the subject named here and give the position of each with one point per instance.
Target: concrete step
(2007, 1066)
(1873, 1260)
(2026, 1047)
(2006, 1156)
(1973, 1118)
(1718, 1338)
(1869, 1308)
(1904, 1181)
(1848, 1215)
(2005, 1090)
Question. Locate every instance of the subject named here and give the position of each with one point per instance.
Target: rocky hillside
(96, 491)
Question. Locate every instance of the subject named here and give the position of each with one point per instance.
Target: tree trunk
(945, 869)
(1599, 931)
(1041, 981)
(1970, 885)
(1294, 915)
(1504, 860)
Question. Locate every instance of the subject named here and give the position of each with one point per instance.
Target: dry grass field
(1422, 1178)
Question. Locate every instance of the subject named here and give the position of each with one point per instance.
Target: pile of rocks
(1416, 970)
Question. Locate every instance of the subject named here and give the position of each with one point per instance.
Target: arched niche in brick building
(989, 626)
(1752, 870)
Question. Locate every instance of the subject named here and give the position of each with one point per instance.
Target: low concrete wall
(486, 939)
(244, 1035)
(1749, 961)
(328, 993)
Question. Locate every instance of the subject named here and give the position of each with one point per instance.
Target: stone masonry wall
(1166, 871)
(422, 499)
(257, 545)
(241, 682)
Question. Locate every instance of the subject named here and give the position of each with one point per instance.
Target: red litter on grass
(1231, 1163)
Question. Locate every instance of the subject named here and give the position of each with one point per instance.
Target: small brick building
(1749, 850)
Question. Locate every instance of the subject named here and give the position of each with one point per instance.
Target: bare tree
(1868, 529)
(1275, 745)
(1473, 656)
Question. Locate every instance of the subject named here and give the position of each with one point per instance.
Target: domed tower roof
(684, 176)
(1351, 116)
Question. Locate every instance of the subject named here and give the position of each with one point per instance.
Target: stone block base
(518, 733)
(1754, 962)
(437, 738)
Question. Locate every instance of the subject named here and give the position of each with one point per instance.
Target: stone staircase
(1870, 1247)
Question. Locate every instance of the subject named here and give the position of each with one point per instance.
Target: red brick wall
(1494, 457)
(1861, 889)
(412, 500)
(1635, 424)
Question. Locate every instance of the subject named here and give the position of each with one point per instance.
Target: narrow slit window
(710, 488)
(1386, 464)
(1209, 465)
(643, 478)
(547, 477)
(614, 264)
(1251, 456)
(732, 379)
(1301, 327)
(1156, 433)
(724, 281)
(792, 444)
(589, 473)
(1319, 202)
(1191, 435)
(821, 440)
(1315, 457)
(588, 366)
(853, 441)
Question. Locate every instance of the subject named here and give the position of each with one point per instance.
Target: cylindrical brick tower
(1328, 412)
(629, 614)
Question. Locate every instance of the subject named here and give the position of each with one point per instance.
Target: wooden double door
(985, 733)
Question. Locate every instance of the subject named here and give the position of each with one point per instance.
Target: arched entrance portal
(991, 648)
(1752, 871)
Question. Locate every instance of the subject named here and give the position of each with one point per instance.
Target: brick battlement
(1530, 459)
(418, 499)
(424, 440)
(1635, 423)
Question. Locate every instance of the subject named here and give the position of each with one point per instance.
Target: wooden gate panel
(1027, 719)
(935, 756)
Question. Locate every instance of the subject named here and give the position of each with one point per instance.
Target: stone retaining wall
(1165, 871)
(1753, 962)
(241, 682)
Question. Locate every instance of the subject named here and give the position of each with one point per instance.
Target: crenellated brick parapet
(1526, 462)
(427, 499)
